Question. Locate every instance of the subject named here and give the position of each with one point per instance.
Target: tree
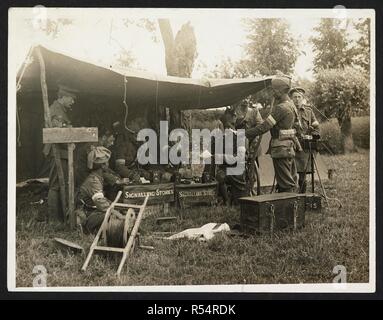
(331, 45)
(50, 27)
(229, 69)
(271, 50)
(339, 92)
(362, 47)
(180, 55)
(271, 47)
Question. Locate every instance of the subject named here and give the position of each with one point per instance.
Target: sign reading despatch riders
(158, 193)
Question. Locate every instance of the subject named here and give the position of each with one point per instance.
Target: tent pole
(48, 124)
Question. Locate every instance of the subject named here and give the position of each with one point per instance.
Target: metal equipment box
(270, 212)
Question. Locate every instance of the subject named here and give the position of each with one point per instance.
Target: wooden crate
(196, 194)
(272, 212)
(160, 196)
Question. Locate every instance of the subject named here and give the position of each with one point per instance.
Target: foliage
(362, 47)
(331, 45)
(51, 27)
(185, 50)
(146, 24)
(229, 69)
(125, 58)
(270, 50)
(361, 131)
(338, 93)
(332, 137)
(271, 47)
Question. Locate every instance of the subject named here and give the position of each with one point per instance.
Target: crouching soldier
(91, 201)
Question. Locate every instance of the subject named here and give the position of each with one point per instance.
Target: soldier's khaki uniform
(91, 202)
(59, 118)
(306, 119)
(126, 159)
(282, 152)
(238, 184)
(251, 119)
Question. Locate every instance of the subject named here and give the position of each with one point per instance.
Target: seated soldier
(126, 164)
(91, 202)
(105, 139)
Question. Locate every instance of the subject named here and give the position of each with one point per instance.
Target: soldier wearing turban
(91, 201)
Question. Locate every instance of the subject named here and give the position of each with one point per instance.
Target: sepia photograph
(191, 150)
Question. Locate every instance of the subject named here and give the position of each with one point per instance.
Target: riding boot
(55, 213)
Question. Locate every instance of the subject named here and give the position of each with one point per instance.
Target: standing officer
(306, 124)
(227, 121)
(59, 118)
(282, 144)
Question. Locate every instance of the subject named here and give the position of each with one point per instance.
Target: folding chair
(102, 231)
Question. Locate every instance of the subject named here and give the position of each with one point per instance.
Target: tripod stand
(310, 147)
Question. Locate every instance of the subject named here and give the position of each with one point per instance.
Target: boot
(302, 183)
(55, 213)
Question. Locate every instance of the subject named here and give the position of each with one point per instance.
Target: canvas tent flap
(141, 87)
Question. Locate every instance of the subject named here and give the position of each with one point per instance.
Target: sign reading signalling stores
(197, 193)
(158, 193)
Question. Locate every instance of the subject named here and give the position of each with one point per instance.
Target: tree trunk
(180, 53)
(171, 65)
(345, 128)
(170, 50)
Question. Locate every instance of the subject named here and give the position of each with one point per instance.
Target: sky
(98, 34)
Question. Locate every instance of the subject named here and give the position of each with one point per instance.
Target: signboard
(196, 193)
(158, 193)
(70, 135)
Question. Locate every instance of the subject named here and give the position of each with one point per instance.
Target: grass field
(338, 237)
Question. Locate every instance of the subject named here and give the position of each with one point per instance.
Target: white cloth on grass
(204, 233)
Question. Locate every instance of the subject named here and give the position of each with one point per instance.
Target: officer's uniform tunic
(282, 117)
(306, 118)
(59, 118)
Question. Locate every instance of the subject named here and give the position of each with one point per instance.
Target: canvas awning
(141, 87)
(101, 94)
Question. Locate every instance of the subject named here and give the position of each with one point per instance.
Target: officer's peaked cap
(297, 89)
(67, 91)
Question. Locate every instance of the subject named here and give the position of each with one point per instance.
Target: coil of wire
(118, 230)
